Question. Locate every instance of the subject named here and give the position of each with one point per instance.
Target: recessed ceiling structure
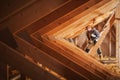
(45, 42)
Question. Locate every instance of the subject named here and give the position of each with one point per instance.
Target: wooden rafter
(14, 58)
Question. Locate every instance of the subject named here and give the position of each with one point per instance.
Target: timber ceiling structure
(46, 40)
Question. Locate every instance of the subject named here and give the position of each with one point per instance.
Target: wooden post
(117, 23)
(109, 44)
(3, 71)
(7, 68)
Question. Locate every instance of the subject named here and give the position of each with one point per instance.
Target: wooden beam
(16, 10)
(110, 44)
(97, 21)
(56, 14)
(3, 70)
(117, 24)
(79, 57)
(47, 57)
(83, 19)
(70, 17)
(13, 58)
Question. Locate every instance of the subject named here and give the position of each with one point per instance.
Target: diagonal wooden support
(106, 29)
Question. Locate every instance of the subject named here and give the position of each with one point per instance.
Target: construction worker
(93, 36)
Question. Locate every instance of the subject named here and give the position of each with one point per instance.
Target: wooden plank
(13, 58)
(69, 53)
(78, 56)
(97, 20)
(66, 18)
(83, 19)
(60, 12)
(110, 44)
(13, 8)
(31, 14)
(65, 58)
(3, 71)
(117, 24)
(44, 58)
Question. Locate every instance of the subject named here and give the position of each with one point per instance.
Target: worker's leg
(89, 46)
(99, 52)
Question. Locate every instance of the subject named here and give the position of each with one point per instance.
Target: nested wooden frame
(62, 47)
(54, 38)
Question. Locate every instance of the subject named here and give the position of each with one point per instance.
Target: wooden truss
(49, 38)
(44, 42)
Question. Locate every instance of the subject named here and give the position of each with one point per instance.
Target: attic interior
(46, 40)
(108, 46)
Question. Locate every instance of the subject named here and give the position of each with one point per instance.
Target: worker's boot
(99, 56)
(99, 53)
(87, 50)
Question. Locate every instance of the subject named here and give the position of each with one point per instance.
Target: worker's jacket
(93, 35)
